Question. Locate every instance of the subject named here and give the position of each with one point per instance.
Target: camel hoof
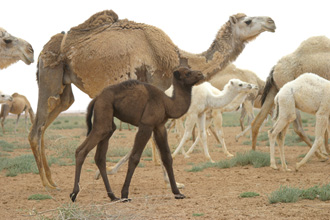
(125, 200)
(288, 170)
(52, 188)
(229, 155)
(179, 196)
(274, 167)
(325, 159)
(114, 199)
(186, 156)
(73, 196)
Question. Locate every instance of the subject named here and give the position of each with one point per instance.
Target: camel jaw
(269, 29)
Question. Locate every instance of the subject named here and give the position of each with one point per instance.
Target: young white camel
(215, 116)
(205, 97)
(308, 93)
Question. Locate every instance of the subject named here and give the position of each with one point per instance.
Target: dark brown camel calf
(144, 106)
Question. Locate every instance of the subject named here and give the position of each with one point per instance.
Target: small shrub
(202, 166)
(310, 193)
(22, 164)
(324, 192)
(248, 194)
(39, 197)
(198, 214)
(255, 158)
(285, 194)
(223, 164)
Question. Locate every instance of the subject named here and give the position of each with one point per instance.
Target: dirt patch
(211, 194)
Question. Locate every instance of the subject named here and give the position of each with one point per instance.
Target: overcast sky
(192, 26)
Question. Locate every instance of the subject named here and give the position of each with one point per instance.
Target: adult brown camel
(17, 105)
(142, 105)
(13, 49)
(105, 50)
(313, 55)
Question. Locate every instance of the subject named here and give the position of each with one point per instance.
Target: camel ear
(231, 82)
(176, 74)
(233, 19)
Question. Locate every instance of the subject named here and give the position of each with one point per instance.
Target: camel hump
(106, 17)
(15, 94)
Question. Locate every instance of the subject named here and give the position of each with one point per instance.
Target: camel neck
(221, 100)
(224, 49)
(179, 103)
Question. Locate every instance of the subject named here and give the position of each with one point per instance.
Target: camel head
(5, 97)
(248, 28)
(13, 49)
(238, 85)
(186, 76)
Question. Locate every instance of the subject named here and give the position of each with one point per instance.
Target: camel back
(104, 50)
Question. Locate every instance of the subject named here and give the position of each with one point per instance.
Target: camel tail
(276, 109)
(269, 84)
(31, 113)
(90, 110)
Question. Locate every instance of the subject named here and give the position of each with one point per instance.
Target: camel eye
(7, 41)
(248, 22)
(188, 74)
(240, 85)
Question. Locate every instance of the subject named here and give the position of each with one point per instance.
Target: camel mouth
(27, 60)
(269, 29)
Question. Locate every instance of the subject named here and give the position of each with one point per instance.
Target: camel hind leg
(285, 116)
(99, 136)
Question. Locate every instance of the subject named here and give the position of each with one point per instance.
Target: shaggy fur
(106, 50)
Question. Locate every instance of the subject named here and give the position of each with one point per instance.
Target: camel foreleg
(320, 129)
(43, 119)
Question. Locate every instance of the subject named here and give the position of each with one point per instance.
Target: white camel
(215, 116)
(308, 93)
(206, 97)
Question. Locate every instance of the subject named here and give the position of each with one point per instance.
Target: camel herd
(126, 67)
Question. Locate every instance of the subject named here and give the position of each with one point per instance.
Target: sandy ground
(210, 194)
